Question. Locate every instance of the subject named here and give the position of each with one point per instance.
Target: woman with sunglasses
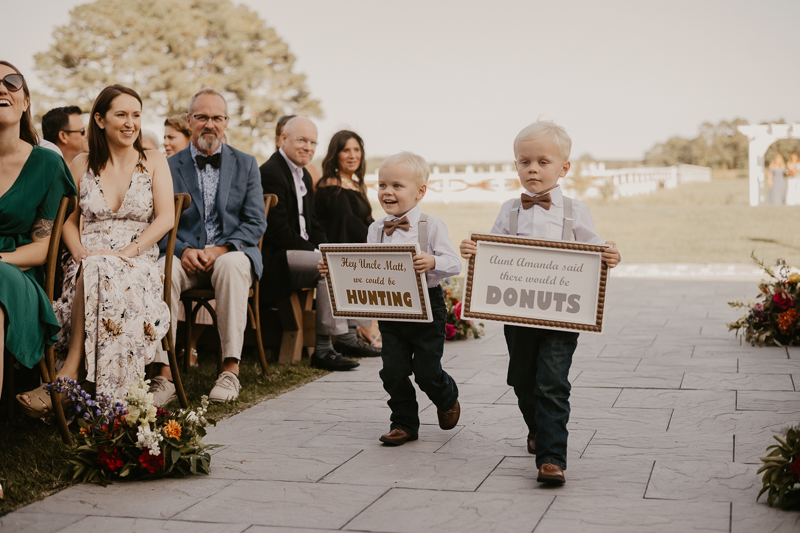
(32, 183)
(112, 311)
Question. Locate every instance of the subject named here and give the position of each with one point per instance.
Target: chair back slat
(270, 201)
(182, 202)
(65, 209)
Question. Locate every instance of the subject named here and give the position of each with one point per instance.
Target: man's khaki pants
(231, 279)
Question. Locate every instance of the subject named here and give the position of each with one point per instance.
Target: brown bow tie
(390, 225)
(544, 201)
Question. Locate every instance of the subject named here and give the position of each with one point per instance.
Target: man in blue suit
(217, 241)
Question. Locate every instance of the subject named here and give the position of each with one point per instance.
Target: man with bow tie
(217, 241)
(291, 244)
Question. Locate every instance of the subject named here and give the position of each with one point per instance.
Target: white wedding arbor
(761, 137)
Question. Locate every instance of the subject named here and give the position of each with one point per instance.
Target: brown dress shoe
(551, 474)
(396, 437)
(448, 419)
(531, 443)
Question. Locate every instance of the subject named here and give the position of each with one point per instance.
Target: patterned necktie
(213, 160)
(390, 225)
(544, 201)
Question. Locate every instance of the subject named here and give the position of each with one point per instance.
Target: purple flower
(98, 412)
(87, 416)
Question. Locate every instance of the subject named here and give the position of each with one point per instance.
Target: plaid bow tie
(390, 225)
(544, 201)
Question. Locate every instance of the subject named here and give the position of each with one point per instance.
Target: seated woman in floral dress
(112, 311)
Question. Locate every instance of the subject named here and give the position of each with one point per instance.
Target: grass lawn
(694, 223)
(33, 458)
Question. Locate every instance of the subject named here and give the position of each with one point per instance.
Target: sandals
(40, 405)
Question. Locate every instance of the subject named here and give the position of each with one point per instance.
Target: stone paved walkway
(670, 414)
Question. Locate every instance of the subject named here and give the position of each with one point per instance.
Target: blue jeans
(416, 347)
(538, 370)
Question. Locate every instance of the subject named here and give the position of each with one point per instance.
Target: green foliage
(772, 321)
(720, 146)
(167, 51)
(781, 471)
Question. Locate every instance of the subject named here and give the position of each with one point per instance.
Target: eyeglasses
(303, 140)
(82, 131)
(216, 119)
(13, 82)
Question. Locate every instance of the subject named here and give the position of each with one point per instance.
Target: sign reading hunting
(376, 281)
(536, 282)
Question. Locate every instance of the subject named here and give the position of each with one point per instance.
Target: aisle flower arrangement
(781, 471)
(130, 438)
(457, 329)
(773, 320)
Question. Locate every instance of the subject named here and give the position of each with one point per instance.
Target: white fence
(497, 185)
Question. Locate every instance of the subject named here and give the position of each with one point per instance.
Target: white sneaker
(163, 391)
(226, 388)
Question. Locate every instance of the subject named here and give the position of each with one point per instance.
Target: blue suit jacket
(240, 203)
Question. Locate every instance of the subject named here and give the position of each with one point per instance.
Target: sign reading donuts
(376, 281)
(536, 282)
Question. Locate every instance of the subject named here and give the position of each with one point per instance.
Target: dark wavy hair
(27, 131)
(57, 120)
(330, 165)
(98, 144)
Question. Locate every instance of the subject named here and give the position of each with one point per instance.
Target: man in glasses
(217, 241)
(63, 126)
(291, 240)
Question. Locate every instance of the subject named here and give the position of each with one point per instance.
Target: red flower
(457, 310)
(794, 467)
(151, 463)
(782, 300)
(110, 459)
(787, 321)
(449, 331)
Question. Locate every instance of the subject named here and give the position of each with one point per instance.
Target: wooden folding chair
(182, 202)
(203, 298)
(47, 362)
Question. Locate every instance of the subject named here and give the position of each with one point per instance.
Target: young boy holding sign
(414, 347)
(539, 359)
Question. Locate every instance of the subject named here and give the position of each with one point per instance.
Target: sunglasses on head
(13, 82)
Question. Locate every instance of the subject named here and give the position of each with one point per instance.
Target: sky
(456, 80)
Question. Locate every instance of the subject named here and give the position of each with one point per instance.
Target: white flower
(147, 438)
(141, 409)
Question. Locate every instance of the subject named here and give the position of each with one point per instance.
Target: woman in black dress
(341, 204)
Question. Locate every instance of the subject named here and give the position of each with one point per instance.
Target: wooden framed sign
(536, 282)
(376, 281)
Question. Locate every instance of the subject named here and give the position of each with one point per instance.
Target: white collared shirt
(549, 224)
(439, 245)
(300, 189)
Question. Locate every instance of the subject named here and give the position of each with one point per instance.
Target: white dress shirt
(549, 224)
(300, 189)
(439, 245)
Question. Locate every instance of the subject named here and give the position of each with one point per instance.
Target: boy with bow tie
(414, 347)
(539, 359)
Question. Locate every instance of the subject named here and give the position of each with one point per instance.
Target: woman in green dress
(32, 183)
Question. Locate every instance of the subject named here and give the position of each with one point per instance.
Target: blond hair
(549, 130)
(414, 163)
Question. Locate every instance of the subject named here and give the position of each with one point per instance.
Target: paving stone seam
(387, 491)
(587, 444)
(650, 477)
(544, 513)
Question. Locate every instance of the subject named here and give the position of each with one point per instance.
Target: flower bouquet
(781, 471)
(456, 328)
(773, 320)
(132, 439)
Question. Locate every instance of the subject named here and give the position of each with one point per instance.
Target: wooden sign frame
(339, 311)
(596, 327)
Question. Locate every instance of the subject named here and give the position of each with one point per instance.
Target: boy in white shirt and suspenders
(539, 359)
(414, 347)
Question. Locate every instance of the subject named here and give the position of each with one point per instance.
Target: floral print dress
(125, 313)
